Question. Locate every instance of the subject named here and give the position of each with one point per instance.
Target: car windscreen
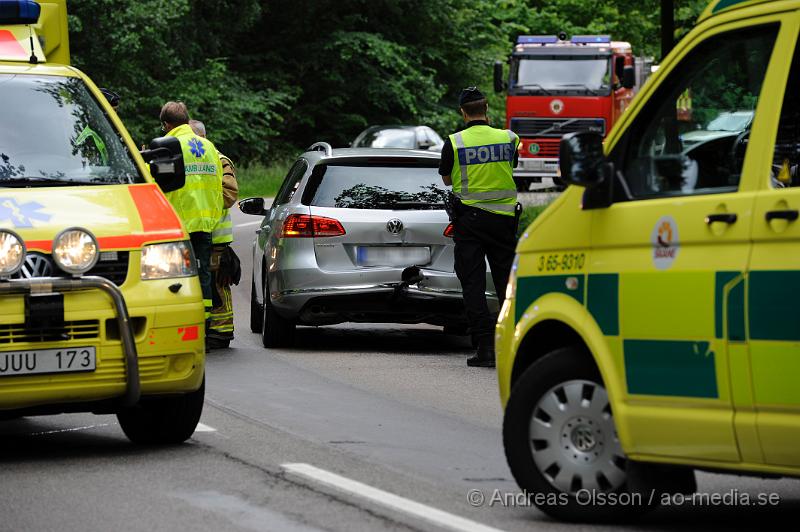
(389, 138)
(55, 132)
(377, 187)
(562, 74)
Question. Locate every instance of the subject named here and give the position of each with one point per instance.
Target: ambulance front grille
(16, 333)
(113, 265)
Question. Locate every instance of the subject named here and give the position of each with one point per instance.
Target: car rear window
(377, 187)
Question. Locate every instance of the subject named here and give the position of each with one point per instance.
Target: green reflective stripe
(498, 207)
(223, 232)
(729, 308)
(723, 4)
(529, 289)
(772, 299)
(463, 167)
(603, 301)
(489, 195)
(670, 367)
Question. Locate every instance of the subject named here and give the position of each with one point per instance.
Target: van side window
(786, 160)
(692, 136)
(291, 182)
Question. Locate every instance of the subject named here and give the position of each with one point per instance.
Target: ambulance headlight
(75, 250)
(12, 253)
(168, 260)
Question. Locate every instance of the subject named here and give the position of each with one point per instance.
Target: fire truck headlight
(168, 260)
(75, 250)
(12, 253)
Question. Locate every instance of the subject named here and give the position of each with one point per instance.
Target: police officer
(478, 162)
(199, 202)
(225, 269)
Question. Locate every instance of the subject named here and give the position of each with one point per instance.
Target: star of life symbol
(197, 148)
(21, 215)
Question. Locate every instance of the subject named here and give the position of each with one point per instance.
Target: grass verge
(261, 180)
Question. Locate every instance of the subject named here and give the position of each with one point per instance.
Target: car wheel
(560, 440)
(256, 310)
(276, 331)
(163, 420)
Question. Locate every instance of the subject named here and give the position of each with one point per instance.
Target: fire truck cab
(557, 86)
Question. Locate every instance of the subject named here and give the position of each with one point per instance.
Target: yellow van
(652, 325)
(100, 305)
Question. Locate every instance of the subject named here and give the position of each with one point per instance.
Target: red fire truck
(558, 85)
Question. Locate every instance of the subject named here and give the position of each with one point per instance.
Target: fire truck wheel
(163, 420)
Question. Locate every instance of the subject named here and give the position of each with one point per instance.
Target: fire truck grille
(556, 127)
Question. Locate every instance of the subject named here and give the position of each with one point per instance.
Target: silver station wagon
(355, 235)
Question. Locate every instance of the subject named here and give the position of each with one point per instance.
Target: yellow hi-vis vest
(223, 231)
(483, 171)
(199, 202)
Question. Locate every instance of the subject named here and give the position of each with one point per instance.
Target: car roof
(318, 156)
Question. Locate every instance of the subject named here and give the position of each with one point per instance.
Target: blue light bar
(537, 39)
(591, 39)
(19, 12)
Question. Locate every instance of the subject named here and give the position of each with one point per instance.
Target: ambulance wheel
(276, 331)
(256, 310)
(562, 447)
(163, 420)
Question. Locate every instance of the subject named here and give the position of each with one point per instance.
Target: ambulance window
(60, 135)
(786, 160)
(692, 136)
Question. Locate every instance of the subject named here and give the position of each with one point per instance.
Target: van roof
(719, 6)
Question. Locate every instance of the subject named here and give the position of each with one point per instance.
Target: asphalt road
(356, 428)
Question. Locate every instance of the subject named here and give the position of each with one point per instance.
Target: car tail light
(449, 230)
(307, 226)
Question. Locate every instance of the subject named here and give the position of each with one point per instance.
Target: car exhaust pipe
(411, 275)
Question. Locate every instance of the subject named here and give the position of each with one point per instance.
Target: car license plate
(532, 164)
(392, 256)
(66, 360)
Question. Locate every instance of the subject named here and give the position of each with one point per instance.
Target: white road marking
(390, 500)
(248, 224)
(73, 429)
(202, 427)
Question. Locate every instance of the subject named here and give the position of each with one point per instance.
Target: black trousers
(201, 244)
(480, 235)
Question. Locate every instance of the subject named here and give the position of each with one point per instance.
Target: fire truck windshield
(560, 74)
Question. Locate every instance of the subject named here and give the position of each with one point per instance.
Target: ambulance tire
(163, 420)
(256, 311)
(276, 331)
(636, 483)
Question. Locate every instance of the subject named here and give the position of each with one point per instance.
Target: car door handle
(725, 217)
(787, 214)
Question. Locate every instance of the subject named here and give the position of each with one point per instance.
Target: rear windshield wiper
(418, 204)
(592, 91)
(14, 182)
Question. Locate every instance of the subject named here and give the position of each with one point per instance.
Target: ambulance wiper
(19, 182)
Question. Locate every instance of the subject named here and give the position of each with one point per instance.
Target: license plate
(393, 256)
(532, 164)
(67, 360)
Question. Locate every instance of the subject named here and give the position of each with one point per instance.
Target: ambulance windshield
(57, 134)
(585, 75)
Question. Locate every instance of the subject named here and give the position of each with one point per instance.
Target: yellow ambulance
(100, 305)
(652, 324)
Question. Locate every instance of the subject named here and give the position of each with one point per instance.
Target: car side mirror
(581, 159)
(254, 206)
(499, 83)
(628, 77)
(165, 158)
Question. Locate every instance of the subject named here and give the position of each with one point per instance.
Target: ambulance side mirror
(581, 159)
(165, 158)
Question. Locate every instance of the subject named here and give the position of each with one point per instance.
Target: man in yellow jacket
(225, 268)
(199, 202)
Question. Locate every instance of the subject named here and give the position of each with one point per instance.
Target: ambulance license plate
(38, 361)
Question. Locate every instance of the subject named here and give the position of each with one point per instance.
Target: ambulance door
(773, 287)
(673, 247)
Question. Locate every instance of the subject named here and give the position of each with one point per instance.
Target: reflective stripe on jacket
(199, 202)
(483, 171)
(223, 232)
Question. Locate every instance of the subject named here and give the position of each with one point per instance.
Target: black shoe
(484, 358)
(216, 343)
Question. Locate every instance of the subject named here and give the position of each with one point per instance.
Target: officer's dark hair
(174, 113)
(475, 108)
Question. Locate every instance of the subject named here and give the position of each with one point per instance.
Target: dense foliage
(267, 77)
